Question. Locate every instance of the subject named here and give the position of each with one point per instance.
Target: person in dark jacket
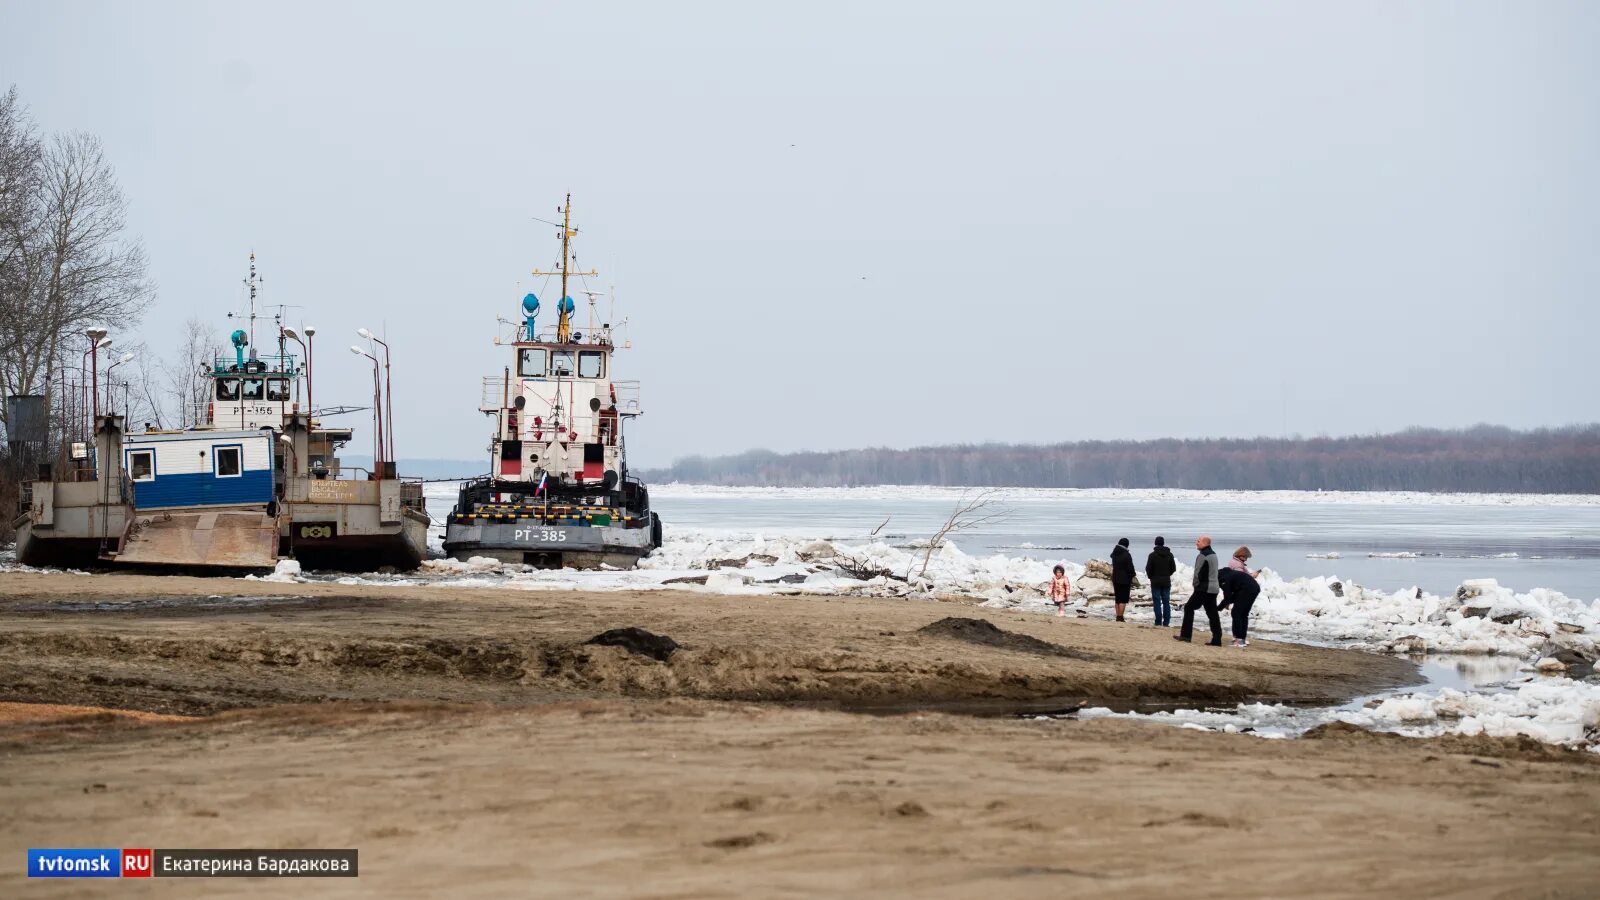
(1206, 588)
(1121, 575)
(1239, 590)
(1158, 567)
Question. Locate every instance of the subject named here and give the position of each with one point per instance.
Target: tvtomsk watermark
(189, 863)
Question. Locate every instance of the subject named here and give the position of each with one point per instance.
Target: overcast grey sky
(838, 225)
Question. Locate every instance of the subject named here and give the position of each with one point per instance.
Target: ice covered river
(1388, 541)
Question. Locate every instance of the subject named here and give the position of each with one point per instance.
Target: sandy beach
(471, 742)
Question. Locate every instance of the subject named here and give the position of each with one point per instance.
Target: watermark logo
(138, 863)
(74, 863)
(146, 863)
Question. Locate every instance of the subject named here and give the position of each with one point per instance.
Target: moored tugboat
(558, 493)
(257, 481)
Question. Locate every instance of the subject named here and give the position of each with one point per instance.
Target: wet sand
(469, 743)
(193, 646)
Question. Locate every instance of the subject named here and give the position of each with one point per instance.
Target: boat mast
(564, 326)
(252, 281)
(564, 305)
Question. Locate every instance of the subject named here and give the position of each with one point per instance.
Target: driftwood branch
(972, 510)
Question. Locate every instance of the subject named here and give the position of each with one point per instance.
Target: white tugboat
(558, 493)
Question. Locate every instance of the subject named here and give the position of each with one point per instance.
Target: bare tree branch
(972, 511)
(65, 260)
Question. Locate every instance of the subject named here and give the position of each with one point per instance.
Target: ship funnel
(239, 341)
(530, 311)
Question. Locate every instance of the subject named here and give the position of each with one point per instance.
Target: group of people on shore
(1235, 583)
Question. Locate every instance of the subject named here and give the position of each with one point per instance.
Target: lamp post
(377, 411)
(311, 406)
(110, 387)
(293, 335)
(82, 399)
(388, 387)
(97, 339)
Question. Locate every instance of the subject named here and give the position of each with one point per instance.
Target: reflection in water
(1464, 672)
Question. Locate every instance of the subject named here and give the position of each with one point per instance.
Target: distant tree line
(1480, 459)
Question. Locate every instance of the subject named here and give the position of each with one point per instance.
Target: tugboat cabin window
(561, 363)
(591, 364)
(227, 388)
(142, 465)
(226, 461)
(277, 389)
(530, 362)
(254, 388)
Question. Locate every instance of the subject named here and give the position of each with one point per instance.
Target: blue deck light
(530, 309)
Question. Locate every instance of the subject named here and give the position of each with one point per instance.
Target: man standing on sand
(1206, 587)
(1121, 575)
(1159, 568)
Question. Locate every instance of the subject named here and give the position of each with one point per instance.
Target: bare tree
(20, 155)
(66, 261)
(187, 386)
(143, 381)
(972, 510)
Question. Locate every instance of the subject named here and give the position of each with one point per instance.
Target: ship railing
(497, 390)
(411, 495)
(550, 334)
(76, 474)
(628, 397)
(263, 365)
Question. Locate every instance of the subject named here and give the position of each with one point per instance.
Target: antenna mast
(252, 281)
(564, 305)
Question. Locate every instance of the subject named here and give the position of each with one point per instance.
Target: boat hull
(550, 546)
(46, 549)
(400, 547)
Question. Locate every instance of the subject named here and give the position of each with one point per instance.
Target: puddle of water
(1465, 673)
(213, 602)
(1057, 707)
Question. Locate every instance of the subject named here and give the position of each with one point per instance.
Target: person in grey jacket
(1206, 587)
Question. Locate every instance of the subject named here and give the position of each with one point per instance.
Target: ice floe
(1550, 709)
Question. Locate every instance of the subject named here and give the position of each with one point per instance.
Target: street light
(293, 335)
(97, 339)
(377, 411)
(388, 386)
(310, 373)
(109, 386)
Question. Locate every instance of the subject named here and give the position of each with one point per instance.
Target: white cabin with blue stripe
(199, 468)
